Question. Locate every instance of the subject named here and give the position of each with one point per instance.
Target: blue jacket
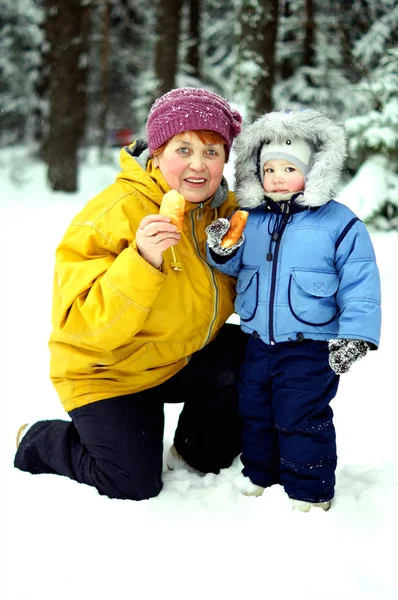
(317, 280)
(307, 267)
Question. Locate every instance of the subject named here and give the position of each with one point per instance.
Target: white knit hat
(297, 151)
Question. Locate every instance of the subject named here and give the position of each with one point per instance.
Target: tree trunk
(194, 38)
(104, 78)
(259, 21)
(286, 68)
(67, 23)
(168, 37)
(309, 51)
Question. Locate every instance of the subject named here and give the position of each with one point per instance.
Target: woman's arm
(102, 294)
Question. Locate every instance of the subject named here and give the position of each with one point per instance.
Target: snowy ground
(200, 539)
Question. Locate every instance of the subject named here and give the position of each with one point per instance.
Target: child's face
(282, 176)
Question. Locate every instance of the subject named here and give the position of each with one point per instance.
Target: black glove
(215, 233)
(343, 354)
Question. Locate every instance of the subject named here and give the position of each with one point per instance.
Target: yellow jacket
(119, 325)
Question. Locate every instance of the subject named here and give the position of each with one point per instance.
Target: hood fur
(327, 137)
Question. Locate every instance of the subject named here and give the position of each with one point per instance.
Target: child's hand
(215, 233)
(343, 354)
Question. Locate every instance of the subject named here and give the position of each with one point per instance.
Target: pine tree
(373, 126)
(255, 68)
(168, 37)
(193, 50)
(314, 54)
(121, 64)
(219, 48)
(67, 35)
(20, 58)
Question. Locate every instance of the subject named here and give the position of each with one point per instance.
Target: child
(308, 293)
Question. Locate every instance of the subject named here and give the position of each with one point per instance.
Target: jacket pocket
(312, 296)
(247, 293)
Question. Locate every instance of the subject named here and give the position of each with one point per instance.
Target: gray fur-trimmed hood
(328, 160)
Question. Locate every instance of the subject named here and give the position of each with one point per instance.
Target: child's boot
(304, 506)
(255, 490)
(247, 487)
(175, 461)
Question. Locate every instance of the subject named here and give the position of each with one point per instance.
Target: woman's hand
(154, 235)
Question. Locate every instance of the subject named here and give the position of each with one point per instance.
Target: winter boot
(175, 461)
(304, 506)
(21, 432)
(247, 487)
(255, 490)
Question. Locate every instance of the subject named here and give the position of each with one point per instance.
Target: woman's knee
(135, 485)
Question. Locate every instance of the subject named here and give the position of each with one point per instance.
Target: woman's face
(191, 167)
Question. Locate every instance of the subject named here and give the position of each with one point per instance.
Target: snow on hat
(190, 109)
(297, 151)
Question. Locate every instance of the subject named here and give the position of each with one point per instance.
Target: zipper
(277, 239)
(198, 215)
(199, 211)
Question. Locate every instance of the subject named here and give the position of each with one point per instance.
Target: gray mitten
(215, 233)
(343, 354)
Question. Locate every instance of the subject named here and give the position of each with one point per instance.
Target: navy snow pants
(116, 445)
(289, 436)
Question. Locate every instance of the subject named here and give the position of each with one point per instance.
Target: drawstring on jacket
(275, 224)
(175, 264)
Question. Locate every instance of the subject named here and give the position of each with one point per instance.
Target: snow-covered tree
(309, 49)
(254, 72)
(373, 126)
(218, 47)
(168, 37)
(66, 24)
(193, 59)
(338, 56)
(20, 43)
(121, 75)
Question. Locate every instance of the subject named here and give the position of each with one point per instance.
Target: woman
(138, 315)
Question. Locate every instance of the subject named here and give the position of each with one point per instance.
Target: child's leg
(260, 455)
(303, 386)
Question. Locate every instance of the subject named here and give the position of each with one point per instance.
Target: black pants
(289, 436)
(116, 445)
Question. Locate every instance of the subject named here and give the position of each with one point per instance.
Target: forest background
(73, 73)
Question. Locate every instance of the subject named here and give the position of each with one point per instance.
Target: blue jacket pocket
(247, 293)
(312, 296)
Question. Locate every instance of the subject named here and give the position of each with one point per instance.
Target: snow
(200, 538)
(367, 191)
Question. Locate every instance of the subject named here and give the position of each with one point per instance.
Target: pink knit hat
(190, 109)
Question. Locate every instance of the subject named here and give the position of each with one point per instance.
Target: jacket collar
(290, 206)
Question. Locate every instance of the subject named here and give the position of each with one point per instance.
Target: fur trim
(330, 153)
